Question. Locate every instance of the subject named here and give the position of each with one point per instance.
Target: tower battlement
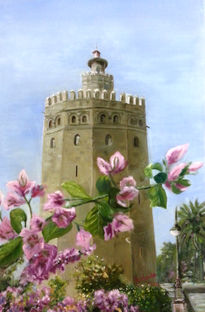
(65, 96)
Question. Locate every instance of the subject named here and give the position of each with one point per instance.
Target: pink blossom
(6, 231)
(55, 200)
(195, 166)
(83, 239)
(176, 153)
(37, 223)
(41, 264)
(63, 217)
(69, 255)
(173, 175)
(38, 190)
(126, 194)
(120, 223)
(12, 200)
(33, 244)
(127, 181)
(22, 186)
(116, 165)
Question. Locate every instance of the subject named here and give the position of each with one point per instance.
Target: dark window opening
(115, 119)
(50, 124)
(136, 142)
(102, 118)
(52, 143)
(73, 119)
(76, 171)
(108, 140)
(58, 121)
(76, 139)
(84, 119)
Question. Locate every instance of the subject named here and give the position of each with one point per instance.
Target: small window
(141, 123)
(73, 119)
(136, 142)
(50, 124)
(58, 121)
(115, 119)
(102, 118)
(76, 171)
(52, 143)
(84, 119)
(76, 139)
(108, 140)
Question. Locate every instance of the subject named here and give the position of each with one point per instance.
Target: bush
(94, 274)
(149, 298)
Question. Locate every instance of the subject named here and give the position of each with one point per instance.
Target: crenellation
(136, 100)
(72, 95)
(88, 94)
(53, 99)
(129, 99)
(80, 94)
(123, 97)
(113, 96)
(142, 102)
(96, 94)
(59, 96)
(65, 95)
(105, 95)
(48, 101)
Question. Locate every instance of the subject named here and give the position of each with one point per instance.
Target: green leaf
(75, 190)
(10, 252)
(161, 177)
(157, 196)
(185, 170)
(106, 211)
(148, 171)
(17, 216)
(103, 185)
(184, 182)
(175, 189)
(51, 231)
(94, 222)
(157, 166)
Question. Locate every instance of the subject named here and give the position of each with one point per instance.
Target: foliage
(57, 290)
(93, 274)
(166, 263)
(149, 298)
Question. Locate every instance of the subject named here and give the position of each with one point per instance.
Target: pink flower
(41, 264)
(126, 194)
(37, 190)
(63, 217)
(83, 239)
(173, 175)
(12, 200)
(69, 255)
(22, 186)
(33, 244)
(120, 223)
(195, 166)
(37, 223)
(116, 165)
(176, 153)
(127, 181)
(55, 200)
(6, 231)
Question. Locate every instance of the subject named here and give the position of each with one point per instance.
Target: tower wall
(103, 125)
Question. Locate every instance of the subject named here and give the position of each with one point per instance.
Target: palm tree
(192, 222)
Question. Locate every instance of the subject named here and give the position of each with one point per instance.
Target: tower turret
(96, 78)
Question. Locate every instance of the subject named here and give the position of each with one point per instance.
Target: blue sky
(155, 49)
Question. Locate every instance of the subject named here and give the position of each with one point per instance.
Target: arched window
(50, 124)
(108, 140)
(52, 143)
(73, 119)
(102, 118)
(58, 121)
(76, 139)
(136, 142)
(84, 119)
(115, 119)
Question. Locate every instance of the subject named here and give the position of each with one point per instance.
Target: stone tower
(79, 127)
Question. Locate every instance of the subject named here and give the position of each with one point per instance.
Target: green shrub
(149, 298)
(93, 274)
(58, 290)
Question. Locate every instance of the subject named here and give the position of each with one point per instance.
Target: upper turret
(96, 78)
